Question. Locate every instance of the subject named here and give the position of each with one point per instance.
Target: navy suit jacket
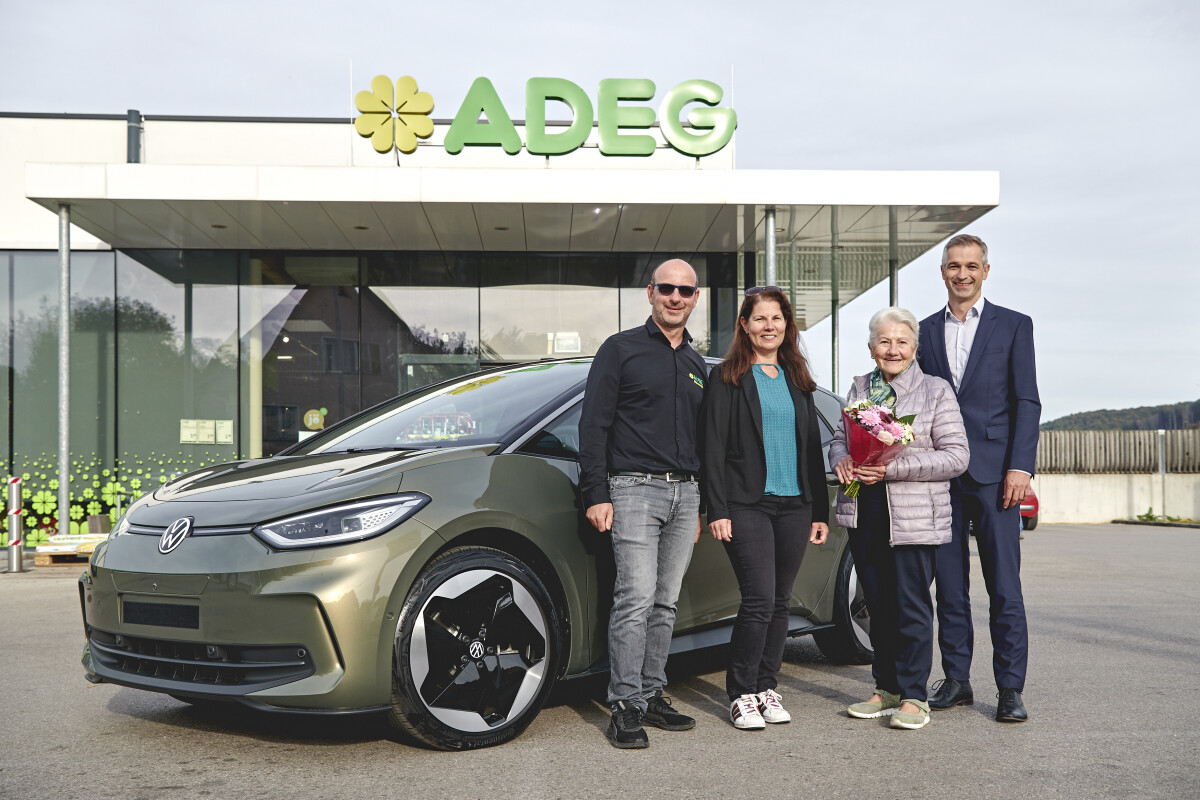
(998, 393)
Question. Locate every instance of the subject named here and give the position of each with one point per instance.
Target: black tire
(848, 642)
(1029, 523)
(476, 651)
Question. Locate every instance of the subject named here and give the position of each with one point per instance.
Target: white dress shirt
(960, 335)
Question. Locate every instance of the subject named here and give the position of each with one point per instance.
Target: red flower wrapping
(866, 450)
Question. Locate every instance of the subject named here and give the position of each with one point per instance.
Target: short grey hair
(964, 240)
(889, 315)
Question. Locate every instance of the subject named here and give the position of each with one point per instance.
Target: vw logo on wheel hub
(174, 535)
(476, 649)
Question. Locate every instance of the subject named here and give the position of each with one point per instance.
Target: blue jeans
(653, 530)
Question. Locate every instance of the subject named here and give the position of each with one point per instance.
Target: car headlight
(347, 523)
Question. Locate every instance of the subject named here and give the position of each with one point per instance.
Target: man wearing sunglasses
(639, 462)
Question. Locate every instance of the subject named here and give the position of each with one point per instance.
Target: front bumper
(228, 618)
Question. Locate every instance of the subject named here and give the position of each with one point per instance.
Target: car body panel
(342, 602)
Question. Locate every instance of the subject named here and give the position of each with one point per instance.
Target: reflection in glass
(545, 321)
(178, 346)
(481, 410)
(302, 353)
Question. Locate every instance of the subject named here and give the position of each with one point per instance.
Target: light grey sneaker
(771, 708)
(744, 714)
(902, 719)
(878, 708)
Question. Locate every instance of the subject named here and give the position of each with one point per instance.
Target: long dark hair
(740, 356)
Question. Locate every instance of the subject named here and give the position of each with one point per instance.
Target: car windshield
(478, 409)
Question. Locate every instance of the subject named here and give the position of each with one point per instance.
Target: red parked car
(1029, 511)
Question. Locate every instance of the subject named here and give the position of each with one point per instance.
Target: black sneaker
(625, 729)
(660, 714)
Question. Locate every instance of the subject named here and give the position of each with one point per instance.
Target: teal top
(779, 433)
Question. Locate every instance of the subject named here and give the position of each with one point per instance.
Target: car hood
(248, 492)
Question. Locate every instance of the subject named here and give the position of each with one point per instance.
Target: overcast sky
(1087, 109)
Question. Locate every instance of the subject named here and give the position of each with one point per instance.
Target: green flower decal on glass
(112, 490)
(394, 118)
(76, 511)
(93, 508)
(44, 502)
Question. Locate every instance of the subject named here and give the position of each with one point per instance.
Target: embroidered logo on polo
(394, 117)
(696, 380)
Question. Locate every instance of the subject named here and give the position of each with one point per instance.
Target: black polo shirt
(641, 412)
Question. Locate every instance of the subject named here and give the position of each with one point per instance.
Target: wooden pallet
(60, 559)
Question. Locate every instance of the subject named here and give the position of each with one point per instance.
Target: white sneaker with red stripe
(770, 708)
(744, 713)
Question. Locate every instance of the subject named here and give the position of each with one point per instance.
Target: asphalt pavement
(1113, 612)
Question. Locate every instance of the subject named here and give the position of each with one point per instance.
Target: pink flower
(869, 418)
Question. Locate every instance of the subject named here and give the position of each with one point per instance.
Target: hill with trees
(1174, 416)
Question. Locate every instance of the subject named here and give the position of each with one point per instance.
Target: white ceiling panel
(166, 222)
(686, 228)
(262, 223)
(454, 225)
(650, 217)
(204, 214)
(407, 225)
(594, 227)
(722, 234)
(501, 226)
(313, 224)
(548, 227)
(361, 226)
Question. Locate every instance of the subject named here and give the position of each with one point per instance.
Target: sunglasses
(759, 289)
(668, 289)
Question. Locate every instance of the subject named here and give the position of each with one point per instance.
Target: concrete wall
(1100, 498)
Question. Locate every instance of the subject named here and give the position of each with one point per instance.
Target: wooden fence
(1117, 451)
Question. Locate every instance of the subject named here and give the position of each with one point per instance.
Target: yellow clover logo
(394, 119)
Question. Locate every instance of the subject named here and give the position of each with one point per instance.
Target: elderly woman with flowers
(900, 514)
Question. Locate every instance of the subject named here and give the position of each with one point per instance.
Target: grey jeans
(654, 528)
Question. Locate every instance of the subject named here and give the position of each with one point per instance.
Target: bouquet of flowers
(874, 435)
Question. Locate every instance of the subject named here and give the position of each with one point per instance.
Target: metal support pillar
(833, 290)
(893, 259)
(64, 368)
(769, 247)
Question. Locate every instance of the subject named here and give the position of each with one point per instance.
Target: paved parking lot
(1114, 660)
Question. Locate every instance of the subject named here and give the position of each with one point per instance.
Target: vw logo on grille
(174, 535)
(476, 649)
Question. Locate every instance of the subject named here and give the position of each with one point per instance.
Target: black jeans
(896, 583)
(766, 549)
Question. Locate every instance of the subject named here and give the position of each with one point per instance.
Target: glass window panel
(177, 366)
(545, 321)
(301, 351)
(7, 333)
(420, 321)
(559, 439)
(34, 350)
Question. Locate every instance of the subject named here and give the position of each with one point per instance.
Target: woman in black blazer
(764, 481)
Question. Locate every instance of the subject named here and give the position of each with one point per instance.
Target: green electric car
(427, 559)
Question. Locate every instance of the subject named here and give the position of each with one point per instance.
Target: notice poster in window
(187, 431)
(224, 431)
(206, 431)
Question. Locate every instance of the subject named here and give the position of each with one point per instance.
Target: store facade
(238, 283)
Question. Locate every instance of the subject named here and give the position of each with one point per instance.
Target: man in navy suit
(986, 353)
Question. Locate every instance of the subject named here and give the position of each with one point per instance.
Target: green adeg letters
(712, 126)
